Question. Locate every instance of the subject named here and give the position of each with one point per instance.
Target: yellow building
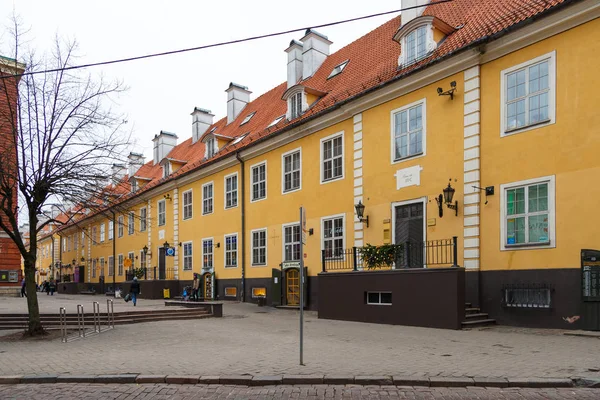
(487, 102)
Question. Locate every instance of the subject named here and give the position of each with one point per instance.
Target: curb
(250, 380)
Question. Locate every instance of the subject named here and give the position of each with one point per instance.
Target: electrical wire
(251, 38)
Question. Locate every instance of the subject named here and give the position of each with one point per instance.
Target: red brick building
(10, 258)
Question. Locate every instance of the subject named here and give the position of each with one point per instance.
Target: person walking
(134, 290)
(23, 289)
(51, 287)
(195, 287)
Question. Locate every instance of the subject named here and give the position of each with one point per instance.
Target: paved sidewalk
(264, 341)
(163, 391)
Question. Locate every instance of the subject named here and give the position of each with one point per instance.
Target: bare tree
(63, 137)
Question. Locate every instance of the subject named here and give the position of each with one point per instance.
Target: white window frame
(237, 185)
(210, 200)
(120, 226)
(131, 256)
(332, 217)
(102, 232)
(283, 173)
(252, 183)
(551, 181)
(252, 263)
(130, 222)
(428, 44)
(189, 207)
(211, 147)
(551, 57)
(379, 303)
(166, 169)
(111, 235)
(283, 226)
(327, 138)
(120, 267)
(111, 265)
(94, 235)
(188, 257)
(64, 244)
(292, 101)
(143, 259)
(212, 253)
(162, 214)
(143, 219)
(423, 103)
(225, 251)
(75, 241)
(94, 266)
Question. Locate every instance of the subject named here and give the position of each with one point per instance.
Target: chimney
(237, 98)
(408, 15)
(118, 172)
(163, 144)
(201, 120)
(294, 63)
(315, 50)
(136, 160)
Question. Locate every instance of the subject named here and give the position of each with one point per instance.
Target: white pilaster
(176, 233)
(358, 173)
(149, 230)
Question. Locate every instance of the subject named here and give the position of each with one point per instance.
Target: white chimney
(315, 50)
(408, 15)
(237, 98)
(118, 172)
(294, 63)
(163, 144)
(136, 160)
(201, 120)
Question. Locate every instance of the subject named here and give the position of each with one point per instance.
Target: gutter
(243, 215)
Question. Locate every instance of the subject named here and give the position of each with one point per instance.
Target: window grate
(529, 295)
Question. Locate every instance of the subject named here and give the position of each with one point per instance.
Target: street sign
(170, 251)
(290, 264)
(127, 263)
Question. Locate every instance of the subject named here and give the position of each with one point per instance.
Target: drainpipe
(243, 241)
(114, 251)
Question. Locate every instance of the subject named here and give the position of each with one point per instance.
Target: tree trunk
(35, 324)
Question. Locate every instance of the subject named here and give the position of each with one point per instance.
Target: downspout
(114, 251)
(243, 211)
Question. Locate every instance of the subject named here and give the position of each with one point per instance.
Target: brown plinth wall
(433, 298)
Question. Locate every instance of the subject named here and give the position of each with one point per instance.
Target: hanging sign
(170, 251)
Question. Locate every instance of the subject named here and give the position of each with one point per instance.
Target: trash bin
(262, 300)
(167, 293)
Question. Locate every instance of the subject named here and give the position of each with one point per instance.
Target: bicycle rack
(110, 314)
(80, 321)
(63, 324)
(81, 331)
(96, 317)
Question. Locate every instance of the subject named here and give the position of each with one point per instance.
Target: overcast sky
(163, 91)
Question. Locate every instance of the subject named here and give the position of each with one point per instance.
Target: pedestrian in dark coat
(134, 290)
(23, 289)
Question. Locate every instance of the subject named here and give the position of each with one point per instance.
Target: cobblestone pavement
(162, 391)
(264, 341)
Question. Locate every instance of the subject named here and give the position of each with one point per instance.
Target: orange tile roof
(373, 62)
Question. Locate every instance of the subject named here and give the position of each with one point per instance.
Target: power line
(167, 53)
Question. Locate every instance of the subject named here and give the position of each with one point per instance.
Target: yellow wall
(567, 149)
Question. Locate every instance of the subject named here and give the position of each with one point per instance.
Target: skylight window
(248, 118)
(338, 69)
(276, 121)
(239, 139)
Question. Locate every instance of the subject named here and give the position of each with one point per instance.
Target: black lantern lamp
(447, 199)
(82, 259)
(449, 92)
(166, 245)
(145, 250)
(360, 213)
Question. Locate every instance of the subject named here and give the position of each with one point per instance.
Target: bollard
(110, 316)
(63, 324)
(96, 317)
(80, 320)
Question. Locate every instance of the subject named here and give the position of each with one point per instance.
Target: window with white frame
(101, 266)
(143, 262)
(291, 243)
(211, 147)
(528, 97)
(207, 253)
(259, 247)
(134, 185)
(231, 191)
(69, 240)
(332, 157)
(65, 244)
(166, 169)
(528, 215)
(102, 232)
(258, 175)
(131, 256)
(75, 241)
(120, 264)
(131, 223)
(408, 125)
(162, 212)
(82, 239)
(379, 298)
(187, 204)
(231, 246)
(296, 105)
(333, 237)
(415, 45)
(292, 174)
(207, 198)
(94, 266)
(187, 256)
(120, 226)
(110, 230)
(111, 266)
(94, 235)
(143, 219)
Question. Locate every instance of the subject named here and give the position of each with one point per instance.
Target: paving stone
(182, 379)
(76, 379)
(150, 379)
(38, 379)
(10, 379)
(372, 380)
(491, 382)
(267, 380)
(410, 381)
(338, 379)
(302, 379)
(208, 380)
(438, 381)
(235, 380)
(119, 378)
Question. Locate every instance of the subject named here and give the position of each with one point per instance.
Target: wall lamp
(489, 191)
(217, 245)
(82, 259)
(167, 196)
(449, 92)
(145, 249)
(360, 213)
(447, 199)
(166, 245)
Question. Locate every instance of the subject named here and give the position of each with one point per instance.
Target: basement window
(248, 118)
(527, 296)
(379, 298)
(338, 69)
(231, 291)
(259, 292)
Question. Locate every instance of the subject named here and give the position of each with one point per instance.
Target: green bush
(380, 256)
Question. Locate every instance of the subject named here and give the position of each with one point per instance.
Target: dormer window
(419, 37)
(134, 185)
(166, 169)
(295, 104)
(248, 118)
(415, 46)
(338, 69)
(211, 147)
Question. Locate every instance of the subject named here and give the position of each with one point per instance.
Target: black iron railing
(392, 256)
(150, 273)
(527, 295)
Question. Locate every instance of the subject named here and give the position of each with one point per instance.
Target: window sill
(399, 160)
(257, 200)
(230, 266)
(259, 265)
(291, 190)
(513, 131)
(230, 207)
(332, 180)
(528, 246)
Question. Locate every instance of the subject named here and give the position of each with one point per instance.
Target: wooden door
(292, 281)
(409, 233)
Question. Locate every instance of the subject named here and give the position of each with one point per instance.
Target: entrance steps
(52, 321)
(474, 318)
